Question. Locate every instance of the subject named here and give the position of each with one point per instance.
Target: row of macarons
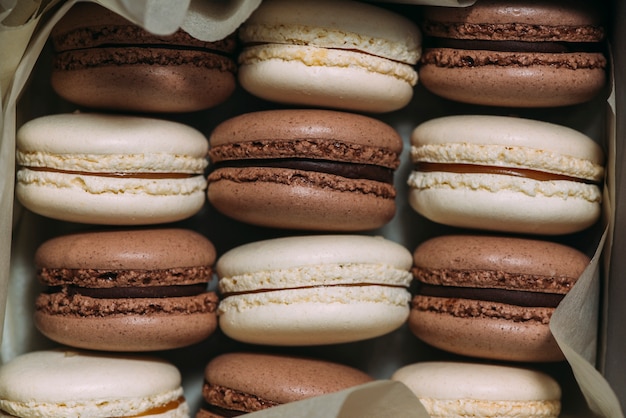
(150, 289)
(350, 55)
(311, 169)
(128, 290)
(63, 382)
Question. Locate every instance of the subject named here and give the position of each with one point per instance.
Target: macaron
(103, 61)
(66, 383)
(332, 54)
(490, 296)
(242, 382)
(457, 389)
(313, 290)
(515, 53)
(111, 169)
(309, 169)
(126, 290)
(506, 174)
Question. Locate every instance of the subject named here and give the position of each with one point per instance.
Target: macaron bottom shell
(475, 205)
(109, 200)
(488, 338)
(310, 207)
(339, 87)
(528, 87)
(317, 316)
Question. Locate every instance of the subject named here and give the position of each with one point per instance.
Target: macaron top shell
(583, 19)
(294, 252)
(335, 24)
(508, 142)
(148, 249)
(89, 383)
(511, 255)
(456, 380)
(281, 379)
(94, 141)
(279, 127)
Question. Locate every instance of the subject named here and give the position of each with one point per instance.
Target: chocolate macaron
(126, 290)
(516, 53)
(305, 169)
(240, 383)
(104, 61)
(492, 296)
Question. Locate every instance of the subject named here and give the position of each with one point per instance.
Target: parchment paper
(574, 324)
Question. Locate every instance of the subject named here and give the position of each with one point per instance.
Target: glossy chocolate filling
(118, 174)
(343, 169)
(509, 297)
(222, 412)
(135, 292)
(507, 171)
(515, 46)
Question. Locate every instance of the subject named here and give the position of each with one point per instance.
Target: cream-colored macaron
(310, 290)
(329, 53)
(111, 169)
(67, 383)
(506, 174)
(457, 389)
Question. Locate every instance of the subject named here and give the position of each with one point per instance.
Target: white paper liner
(573, 324)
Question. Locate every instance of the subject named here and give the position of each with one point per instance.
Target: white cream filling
(319, 275)
(495, 183)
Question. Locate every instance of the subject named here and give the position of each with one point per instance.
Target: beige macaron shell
(335, 24)
(110, 143)
(56, 384)
(281, 379)
(321, 315)
(453, 389)
(505, 203)
(508, 142)
(294, 252)
(149, 249)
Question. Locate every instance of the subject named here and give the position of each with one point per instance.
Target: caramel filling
(509, 297)
(343, 169)
(506, 171)
(247, 292)
(120, 175)
(170, 406)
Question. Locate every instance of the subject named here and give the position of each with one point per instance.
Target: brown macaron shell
(514, 53)
(248, 382)
(305, 169)
(492, 296)
(127, 290)
(106, 62)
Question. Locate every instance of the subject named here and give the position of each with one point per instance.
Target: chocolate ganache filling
(343, 169)
(138, 292)
(515, 46)
(509, 297)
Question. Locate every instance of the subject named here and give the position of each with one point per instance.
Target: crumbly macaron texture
(335, 24)
(286, 126)
(279, 378)
(63, 383)
(295, 252)
(488, 382)
(106, 143)
(144, 249)
(534, 17)
(508, 142)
